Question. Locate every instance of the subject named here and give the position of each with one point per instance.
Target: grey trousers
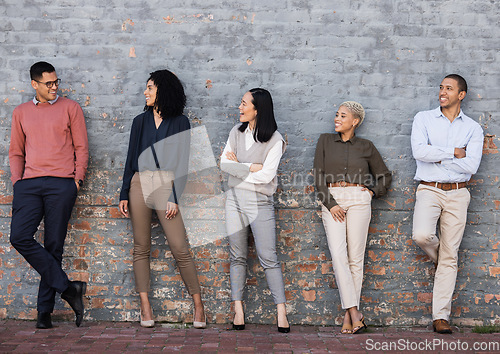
(255, 210)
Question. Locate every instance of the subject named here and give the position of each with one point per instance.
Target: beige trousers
(449, 208)
(347, 241)
(150, 192)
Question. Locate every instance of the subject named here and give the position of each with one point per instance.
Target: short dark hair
(266, 124)
(37, 70)
(462, 84)
(170, 97)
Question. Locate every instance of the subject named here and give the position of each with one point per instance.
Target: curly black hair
(170, 97)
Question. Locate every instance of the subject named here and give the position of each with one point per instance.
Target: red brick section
(116, 337)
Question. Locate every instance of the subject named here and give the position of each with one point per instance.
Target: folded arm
(421, 148)
(473, 152)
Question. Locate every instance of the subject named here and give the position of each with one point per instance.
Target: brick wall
(388, 54)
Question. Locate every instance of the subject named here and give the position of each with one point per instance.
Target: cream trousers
(449, 208)
(347, 241)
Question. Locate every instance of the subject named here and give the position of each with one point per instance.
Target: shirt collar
(36, 102)
(248, 130)
(440, 114)
(353, 140)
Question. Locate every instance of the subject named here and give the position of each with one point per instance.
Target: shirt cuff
(330, 203)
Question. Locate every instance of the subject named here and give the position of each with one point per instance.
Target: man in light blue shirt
(447, 146)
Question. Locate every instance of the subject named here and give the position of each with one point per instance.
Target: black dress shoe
(74, 296)
(44, 321)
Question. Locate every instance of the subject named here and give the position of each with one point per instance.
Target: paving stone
(216, 339)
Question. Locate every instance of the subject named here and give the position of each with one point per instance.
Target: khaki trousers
(449, 208)
(151, 191)
(347, 241)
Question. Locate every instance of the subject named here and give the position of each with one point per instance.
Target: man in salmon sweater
(48, 159)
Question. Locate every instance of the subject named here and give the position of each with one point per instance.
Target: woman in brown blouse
(348, 172)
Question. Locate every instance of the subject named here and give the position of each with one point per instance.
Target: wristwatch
(80, 182)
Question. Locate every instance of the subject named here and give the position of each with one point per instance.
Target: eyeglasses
(49, 84)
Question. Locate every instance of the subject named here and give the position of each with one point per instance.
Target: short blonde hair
(356, 109)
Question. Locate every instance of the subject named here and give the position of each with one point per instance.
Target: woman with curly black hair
(154, 178)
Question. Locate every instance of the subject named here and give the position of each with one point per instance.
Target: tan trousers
(450, 209)
(347, 241)
(151, 191)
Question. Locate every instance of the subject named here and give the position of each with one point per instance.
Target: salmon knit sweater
(48, 140)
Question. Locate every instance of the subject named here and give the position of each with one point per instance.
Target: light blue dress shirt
(433, 142)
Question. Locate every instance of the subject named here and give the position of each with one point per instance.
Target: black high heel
(239, 327)
(284, 329)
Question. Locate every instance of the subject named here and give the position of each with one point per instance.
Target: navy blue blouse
(149, 149)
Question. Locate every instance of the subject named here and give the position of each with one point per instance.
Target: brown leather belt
(344, 184)
(446, 186)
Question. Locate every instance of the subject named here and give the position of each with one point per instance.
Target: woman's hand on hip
(255, 167)
(369, 190)
(123, 206)
(172, 210)
(231, 156)
(338, 213)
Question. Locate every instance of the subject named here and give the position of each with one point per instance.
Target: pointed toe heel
(284, 329)
(147, 323)
(199, 324)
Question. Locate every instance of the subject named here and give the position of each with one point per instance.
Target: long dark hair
(266, 124)
(170, 97)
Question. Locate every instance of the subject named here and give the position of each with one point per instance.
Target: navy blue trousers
(50, 198)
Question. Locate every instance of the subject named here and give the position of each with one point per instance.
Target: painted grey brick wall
(390, 55)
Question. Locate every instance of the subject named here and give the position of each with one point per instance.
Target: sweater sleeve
(80, 141)
(17, 151)
(320, 174)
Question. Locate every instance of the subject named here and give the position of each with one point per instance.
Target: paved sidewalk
(118, 337)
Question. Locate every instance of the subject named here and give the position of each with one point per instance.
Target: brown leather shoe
(441, 326)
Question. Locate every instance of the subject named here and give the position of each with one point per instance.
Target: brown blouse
(354, 161)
